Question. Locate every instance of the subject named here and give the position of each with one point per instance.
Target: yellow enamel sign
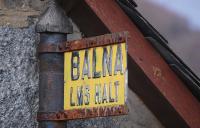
(95, 77)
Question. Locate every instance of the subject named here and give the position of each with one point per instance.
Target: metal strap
(83, 113)
(46, 47)
(103, 40)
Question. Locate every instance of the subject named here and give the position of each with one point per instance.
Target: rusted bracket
(82, 113)
(102, 40)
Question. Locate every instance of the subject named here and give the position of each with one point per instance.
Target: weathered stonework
(16, 13)
(23, 4)
(18, 77)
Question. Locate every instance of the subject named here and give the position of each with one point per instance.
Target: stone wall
(19, 74)
(23, 4)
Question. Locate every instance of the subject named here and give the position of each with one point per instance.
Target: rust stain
(83, 113)
(157, 72)
(102, 40)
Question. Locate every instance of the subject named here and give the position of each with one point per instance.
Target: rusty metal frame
(83, 113)
(84, 43)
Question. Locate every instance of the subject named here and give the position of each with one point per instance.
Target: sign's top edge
(121, 34)
(103, 40)
(90, 42)
(115, 36)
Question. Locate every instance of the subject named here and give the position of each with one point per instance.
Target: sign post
(53, 27)
(95, 77)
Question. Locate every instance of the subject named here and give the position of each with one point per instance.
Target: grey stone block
(18, 77)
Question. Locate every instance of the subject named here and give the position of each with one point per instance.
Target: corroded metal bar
(53, 27)
(83, 113)
(97, 41)
(51, 81)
